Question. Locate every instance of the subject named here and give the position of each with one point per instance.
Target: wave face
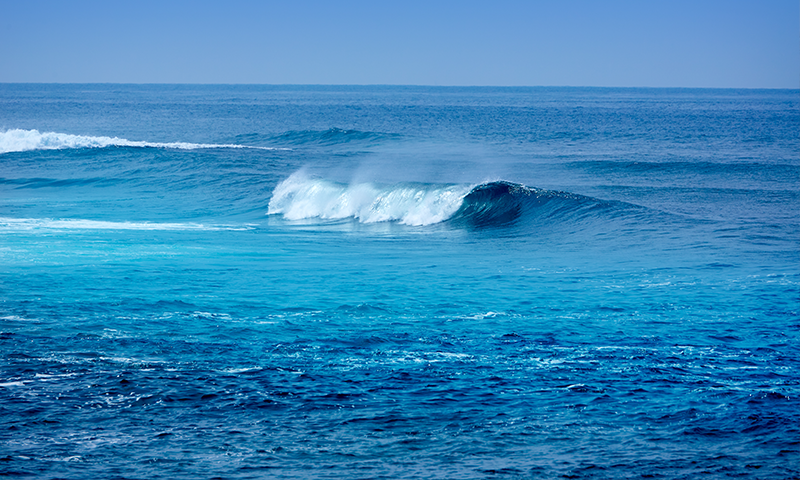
(17, 140)
(492, 204)
(495, 203)
(501, 203)
(300, 197)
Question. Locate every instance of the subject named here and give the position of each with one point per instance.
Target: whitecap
(18, 140)
(302, 197)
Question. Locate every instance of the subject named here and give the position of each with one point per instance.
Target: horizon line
(394, 85)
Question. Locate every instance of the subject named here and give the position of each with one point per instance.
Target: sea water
(398, 282)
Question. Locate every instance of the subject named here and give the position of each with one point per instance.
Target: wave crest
(17, 140)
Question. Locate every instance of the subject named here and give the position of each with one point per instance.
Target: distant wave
(55, 182)
(497, 203)
(21, 224)
(18, 140)
(332, 136)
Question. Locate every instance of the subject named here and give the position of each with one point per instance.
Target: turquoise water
(398, 282)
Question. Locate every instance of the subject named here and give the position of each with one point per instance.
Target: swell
(55, 182)
(777, 168)
(17, 140)
(330, 137)
(487, 205)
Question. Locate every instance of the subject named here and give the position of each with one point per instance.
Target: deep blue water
(398, 282)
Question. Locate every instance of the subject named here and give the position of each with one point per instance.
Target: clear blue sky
(658, 43)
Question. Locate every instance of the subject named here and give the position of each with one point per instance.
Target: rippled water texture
(398, 282)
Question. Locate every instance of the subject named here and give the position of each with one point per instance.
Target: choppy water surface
(398, 282)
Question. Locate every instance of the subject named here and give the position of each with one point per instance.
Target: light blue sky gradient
(675, 43)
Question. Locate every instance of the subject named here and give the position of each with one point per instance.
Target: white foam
(301, 197)
(18, 140)
(12, 384)
(12, 224)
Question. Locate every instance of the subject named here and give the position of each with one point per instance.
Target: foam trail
(300, 197)
(23, 224)
(18, 140)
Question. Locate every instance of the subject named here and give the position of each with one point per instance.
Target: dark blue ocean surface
(398, 282)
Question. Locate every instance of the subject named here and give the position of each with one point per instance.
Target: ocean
(233, 281)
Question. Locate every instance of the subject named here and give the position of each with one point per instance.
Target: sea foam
(21, 224)
(301, 197)
(18, 140)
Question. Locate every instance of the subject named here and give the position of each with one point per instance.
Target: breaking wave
(499, 203)
(18, 140)
(300, 197)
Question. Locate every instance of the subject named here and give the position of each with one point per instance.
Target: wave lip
(300, 197)
(18, 140)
